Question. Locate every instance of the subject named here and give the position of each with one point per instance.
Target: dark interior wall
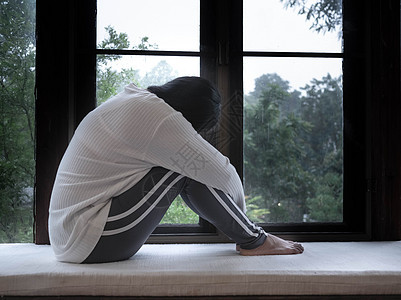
(384, 118)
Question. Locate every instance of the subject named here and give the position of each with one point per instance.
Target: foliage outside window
(17, 102)
(293, 150)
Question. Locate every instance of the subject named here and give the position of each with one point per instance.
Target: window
(293, 122)
(17, 125)
(66, 67)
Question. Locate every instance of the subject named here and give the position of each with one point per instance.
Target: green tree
(179, 213)
(293, 149)
(17, 65)
(109, 81)
(291, 103)
(322, 108)
(273, 154)
(160, 74)
(327, 203)
(326, 15)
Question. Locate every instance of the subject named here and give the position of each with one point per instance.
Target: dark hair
(196, 98)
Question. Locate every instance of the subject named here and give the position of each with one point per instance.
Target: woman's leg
(135, 214)
(219, 209)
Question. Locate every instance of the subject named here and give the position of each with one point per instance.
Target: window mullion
(230, 80)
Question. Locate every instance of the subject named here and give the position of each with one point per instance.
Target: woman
(127, 161)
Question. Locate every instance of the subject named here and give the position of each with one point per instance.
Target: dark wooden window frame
(65, 93)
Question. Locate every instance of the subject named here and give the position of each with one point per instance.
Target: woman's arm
(176, 146)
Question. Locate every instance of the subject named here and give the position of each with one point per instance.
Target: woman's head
(196, 98)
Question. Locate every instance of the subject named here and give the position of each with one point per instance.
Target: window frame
(66, 92)
(354, 225)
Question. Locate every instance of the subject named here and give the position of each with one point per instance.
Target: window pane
(275, 26)
(179, 213)
(17, 125)
(169, 25)
(297, 71)
(293, 161)
(113, 73)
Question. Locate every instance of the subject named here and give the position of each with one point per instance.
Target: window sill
(336, 268)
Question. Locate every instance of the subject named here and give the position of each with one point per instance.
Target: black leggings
(135, 214)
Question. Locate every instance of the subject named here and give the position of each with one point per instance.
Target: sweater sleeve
(176, 146)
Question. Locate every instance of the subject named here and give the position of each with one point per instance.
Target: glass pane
(293, 158)
(277, 26)
(17, 125)
(179, 213)
(113, 73)
(297, 71)
(168, 25)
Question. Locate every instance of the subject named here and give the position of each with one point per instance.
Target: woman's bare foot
(274, 246)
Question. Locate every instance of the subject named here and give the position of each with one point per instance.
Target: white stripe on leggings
(133, 224)
(221, 201)
(140, 203)
(242, 213)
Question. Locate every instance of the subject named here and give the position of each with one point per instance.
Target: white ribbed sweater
(112, 149)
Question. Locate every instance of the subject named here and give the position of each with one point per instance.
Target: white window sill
(352, 268)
